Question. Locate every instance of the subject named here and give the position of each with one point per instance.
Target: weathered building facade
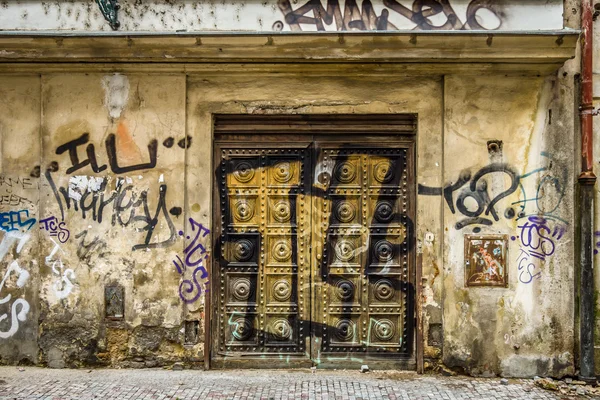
(213, 185)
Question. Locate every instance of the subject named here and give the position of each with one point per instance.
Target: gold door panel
(263, 267)
(361, 221)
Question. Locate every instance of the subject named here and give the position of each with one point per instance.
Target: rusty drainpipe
(587, 180)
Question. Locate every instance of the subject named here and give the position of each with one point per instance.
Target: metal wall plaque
(114, 302)
(486, 260)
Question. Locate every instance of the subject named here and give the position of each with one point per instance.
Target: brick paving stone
(151, 384)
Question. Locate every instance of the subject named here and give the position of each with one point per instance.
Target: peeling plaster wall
(122, 219)
(19, 200)
(254, 15)
(527, 328)
(124, 228)
(141, 167)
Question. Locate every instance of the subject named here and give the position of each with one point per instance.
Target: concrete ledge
(529, 52)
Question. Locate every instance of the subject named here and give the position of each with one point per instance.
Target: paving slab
(136, 384)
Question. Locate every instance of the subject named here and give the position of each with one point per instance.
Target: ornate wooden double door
(314, 261)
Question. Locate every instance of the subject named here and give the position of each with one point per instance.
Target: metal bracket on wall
(109, 9)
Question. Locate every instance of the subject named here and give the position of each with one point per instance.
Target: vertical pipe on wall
(587, 180)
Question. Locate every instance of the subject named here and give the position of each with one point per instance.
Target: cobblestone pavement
(40, 383)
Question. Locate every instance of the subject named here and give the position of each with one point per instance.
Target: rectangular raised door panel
(263, 268)
(363, 265)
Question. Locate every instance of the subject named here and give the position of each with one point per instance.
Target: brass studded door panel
(263, 272)
(363, 265)
(316, 261)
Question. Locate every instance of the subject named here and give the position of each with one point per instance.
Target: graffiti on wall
(424, 14)
(86, 247)
(473, 188)
(11, 221)
(195, 255)
(469, 196)
(124, 205)
(538, 238)
(19, 308)
(539, 225)
(111, 150)
(362, 246)
(63, 277)
(55, 228)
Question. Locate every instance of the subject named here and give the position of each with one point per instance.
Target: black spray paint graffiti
(16, 221)
(85, 248)
(538, 237)
(473, 189)
(111, 152)
(364, 18)
(125, 206)
(195, 255)
(55, 228)
(11, 184)
(477, 190)
(8, 185)
(14, 200)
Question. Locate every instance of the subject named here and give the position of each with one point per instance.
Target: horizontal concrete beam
(532, 52)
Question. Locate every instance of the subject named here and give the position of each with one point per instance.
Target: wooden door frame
(352, 129)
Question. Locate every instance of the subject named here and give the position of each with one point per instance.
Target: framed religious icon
(486, 260)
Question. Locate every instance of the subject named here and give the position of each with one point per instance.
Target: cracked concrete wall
(272, 15)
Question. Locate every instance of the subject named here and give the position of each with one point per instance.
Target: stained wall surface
(106, 194)
(107, 181)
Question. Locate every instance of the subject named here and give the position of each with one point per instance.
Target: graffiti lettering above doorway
(284, 15)
(348, 15)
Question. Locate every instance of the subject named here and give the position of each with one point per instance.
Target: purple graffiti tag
(538, 241)
(537, 236)
(193, 247)
(526, 268)
(180, 266)
(195, 254)
(188, 287)
(55, 228)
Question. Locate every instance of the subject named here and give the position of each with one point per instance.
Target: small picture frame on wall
(486, 260)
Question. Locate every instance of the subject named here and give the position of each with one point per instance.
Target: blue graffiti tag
(15, 220)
